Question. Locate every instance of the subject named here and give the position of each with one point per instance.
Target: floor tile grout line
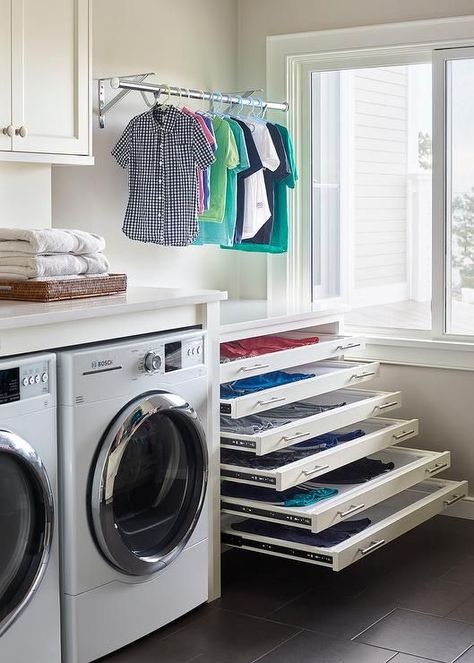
(277, 646)
(462, 654)
(374, 623)
(283, 605)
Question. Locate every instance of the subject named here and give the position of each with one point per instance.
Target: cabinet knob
(22, 131)
(8, 131)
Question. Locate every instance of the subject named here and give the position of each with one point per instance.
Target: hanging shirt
(227, 157)
(206, 179)
(255, 166)
(279, 238)
(223, 233)
(162, 149)
(271, 178)
(203, 175)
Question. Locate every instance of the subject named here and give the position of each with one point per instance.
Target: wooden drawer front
(380, 434)
(329, 376)
(360, 405)
(412, 466)
(329, 346)
(389, 520)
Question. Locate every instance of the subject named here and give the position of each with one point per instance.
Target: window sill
(420, 352)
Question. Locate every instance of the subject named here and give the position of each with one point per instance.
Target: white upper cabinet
(50, 81)
(5, 75)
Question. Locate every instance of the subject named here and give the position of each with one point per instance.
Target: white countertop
(16, 314)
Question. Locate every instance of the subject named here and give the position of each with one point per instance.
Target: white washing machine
(29, 559)
(133, 474)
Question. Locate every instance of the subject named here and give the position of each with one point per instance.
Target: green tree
(425, 150)
(462, 213)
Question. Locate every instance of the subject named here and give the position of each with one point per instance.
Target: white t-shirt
(256, 208)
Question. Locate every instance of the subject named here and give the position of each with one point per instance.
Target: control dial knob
(152, 362)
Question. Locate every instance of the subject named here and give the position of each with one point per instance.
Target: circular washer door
(26, 525)
(148, 483)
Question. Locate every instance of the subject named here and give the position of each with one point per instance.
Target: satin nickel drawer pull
(255, 367)
(272, 400)
(296, 436)
(437, 467)
(384, 406)
(405, 433)
(350, 346)
(349, 512)
(359, 376)
(372, 547)
(454, 499)
(318, 468)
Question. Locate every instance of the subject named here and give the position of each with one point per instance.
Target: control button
(193, 350)
(44, 377)
(25, 382)
(152, 362)
(189, 352)
(32, 379)
(37, 379)
(199, 350)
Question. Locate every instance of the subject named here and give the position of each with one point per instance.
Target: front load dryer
(133, 475)
(29, 558)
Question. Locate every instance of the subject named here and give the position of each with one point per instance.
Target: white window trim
(290, 59)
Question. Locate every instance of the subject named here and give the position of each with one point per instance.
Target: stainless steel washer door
(26, 525)
(148, 483)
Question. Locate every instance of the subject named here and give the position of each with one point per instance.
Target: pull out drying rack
(137, 82)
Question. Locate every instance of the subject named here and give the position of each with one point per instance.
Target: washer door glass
(26, 520)
(149, 483)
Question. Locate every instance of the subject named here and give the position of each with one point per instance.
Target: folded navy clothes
(359, 471)
(290, 454)
(303, 495)
(329, 440)
(261, 382)
(326, 539)
(253, 423)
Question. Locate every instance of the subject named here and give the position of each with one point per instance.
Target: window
(372, 188)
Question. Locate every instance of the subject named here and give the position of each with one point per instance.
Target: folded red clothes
(252, 347)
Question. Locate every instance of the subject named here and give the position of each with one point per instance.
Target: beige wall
(25, 195)
(186, 43)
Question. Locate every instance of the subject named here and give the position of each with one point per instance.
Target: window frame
(290, 59)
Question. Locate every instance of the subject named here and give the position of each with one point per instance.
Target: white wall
(25, 195)
(186, 43)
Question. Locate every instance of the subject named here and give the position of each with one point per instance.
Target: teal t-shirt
(223, 233)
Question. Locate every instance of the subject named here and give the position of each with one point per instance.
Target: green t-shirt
(223, 233)
(226, 158)
(279, 238)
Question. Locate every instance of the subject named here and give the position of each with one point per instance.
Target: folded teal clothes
(303, 495)
(261, 382)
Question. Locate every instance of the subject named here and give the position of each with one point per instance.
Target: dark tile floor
(412, 602)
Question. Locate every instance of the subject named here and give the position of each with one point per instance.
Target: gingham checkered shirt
(163, 149)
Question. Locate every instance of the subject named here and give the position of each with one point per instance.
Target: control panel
(173, 356)
(24, 381)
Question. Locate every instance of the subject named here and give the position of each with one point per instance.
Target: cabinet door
(5, 73)
(50, 76)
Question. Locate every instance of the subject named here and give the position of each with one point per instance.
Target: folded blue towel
(261, 382)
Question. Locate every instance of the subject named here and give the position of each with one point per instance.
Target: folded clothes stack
(50, 253)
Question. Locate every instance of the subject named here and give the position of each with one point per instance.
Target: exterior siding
(380, 130)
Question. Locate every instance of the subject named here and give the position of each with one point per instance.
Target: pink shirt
(211, 141)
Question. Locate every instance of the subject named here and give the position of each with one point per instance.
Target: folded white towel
(31, 267)
(49, 240)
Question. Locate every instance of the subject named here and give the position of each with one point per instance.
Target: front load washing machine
(133, 474)
(29, 559)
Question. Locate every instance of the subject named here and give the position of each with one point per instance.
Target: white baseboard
(379, 294)
(462, 509)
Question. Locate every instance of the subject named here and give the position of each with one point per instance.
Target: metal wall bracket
(105, 106)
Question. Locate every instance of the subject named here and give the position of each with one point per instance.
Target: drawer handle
(296, 436)
(349, 512)
(318, 468)
(255, 367)
(372, 547)
(384, 406)
(405, 433)
(359, 376)
(437, 468)
(453, 500)
(275, 399)
(350, 346)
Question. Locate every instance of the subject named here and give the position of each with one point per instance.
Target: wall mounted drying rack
(137, 82)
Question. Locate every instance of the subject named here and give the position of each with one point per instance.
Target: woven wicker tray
(53, 290)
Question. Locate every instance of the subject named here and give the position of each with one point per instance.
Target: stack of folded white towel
(50, 253)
